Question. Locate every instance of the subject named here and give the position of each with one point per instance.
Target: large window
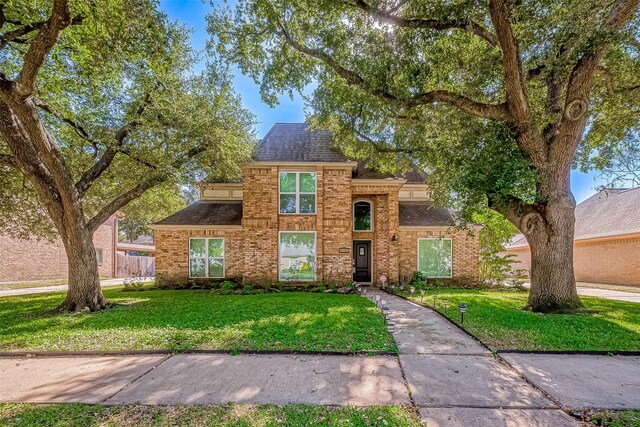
(297, 255)
(434, 257)
(206, 258)
(362, 219)
(297, 192)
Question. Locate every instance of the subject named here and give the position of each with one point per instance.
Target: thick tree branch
(94, 172)
(517, 102)
(433, 24)
(42, 45)
(579, 85)
(123, 199)
(469, 106)
(13, 35)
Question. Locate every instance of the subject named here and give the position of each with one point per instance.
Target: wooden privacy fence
(135, 266)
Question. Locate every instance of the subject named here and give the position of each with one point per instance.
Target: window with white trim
(362, 217)
(297, 192)
(434, 257)
(297, 254)
(206, 258)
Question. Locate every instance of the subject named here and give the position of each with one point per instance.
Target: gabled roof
(293, 142)
(611, 212)
(424, 214)
(205, 212)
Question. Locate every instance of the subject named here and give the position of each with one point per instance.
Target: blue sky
(193, 12)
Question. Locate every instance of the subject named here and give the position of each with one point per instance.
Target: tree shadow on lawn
(197, 319)
(497, 319)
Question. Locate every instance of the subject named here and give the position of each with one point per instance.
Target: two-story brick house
(304, 211)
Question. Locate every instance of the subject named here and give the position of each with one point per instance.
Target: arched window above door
(362, 216)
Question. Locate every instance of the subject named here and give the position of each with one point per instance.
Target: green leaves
(122, 80)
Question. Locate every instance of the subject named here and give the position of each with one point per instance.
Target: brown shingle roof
(206, 213)
(608, 213)
(293, 142)
(424, 214)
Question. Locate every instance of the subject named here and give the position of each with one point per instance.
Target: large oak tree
(98, 105)
(491, 98)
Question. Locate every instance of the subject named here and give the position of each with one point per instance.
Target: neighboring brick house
(304, 211)
(27, 260)
(606, 246)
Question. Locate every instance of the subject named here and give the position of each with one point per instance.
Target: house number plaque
(344, 250)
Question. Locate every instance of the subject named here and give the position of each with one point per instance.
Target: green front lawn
(196, 319)
(72, 415)
(496, 318)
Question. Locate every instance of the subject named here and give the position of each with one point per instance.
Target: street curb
(572, 352)
(12, 354)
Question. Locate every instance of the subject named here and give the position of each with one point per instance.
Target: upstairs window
(434, 257)
(206, 258)
(297, 192)
(362, 216)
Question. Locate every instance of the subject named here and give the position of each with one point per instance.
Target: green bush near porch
(196, 319)
(496, 318)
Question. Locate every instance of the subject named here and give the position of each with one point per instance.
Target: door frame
(353, 258)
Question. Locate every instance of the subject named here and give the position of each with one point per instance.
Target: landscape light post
(463, 309)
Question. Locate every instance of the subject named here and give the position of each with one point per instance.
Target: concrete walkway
(58, 288)
(455, 381)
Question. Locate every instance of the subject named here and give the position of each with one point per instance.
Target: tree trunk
(549, 231)
(84, 281)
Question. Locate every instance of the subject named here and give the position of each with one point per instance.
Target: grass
(628, 418)
(72, 415)
(495, 317)
(196, 319)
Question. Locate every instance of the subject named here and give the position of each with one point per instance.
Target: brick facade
(251, 250)
(612, 260)
(27, 260)
(465, 251)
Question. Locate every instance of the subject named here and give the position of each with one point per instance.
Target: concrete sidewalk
(58, 288)
(204, 379)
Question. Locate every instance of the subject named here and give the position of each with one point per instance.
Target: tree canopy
(427, 79)
(119, 95)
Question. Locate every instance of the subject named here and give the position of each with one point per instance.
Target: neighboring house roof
(294, 142)
(611, 212)
(206, 213)
(424, 214)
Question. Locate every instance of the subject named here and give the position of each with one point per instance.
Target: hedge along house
(305, 212)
